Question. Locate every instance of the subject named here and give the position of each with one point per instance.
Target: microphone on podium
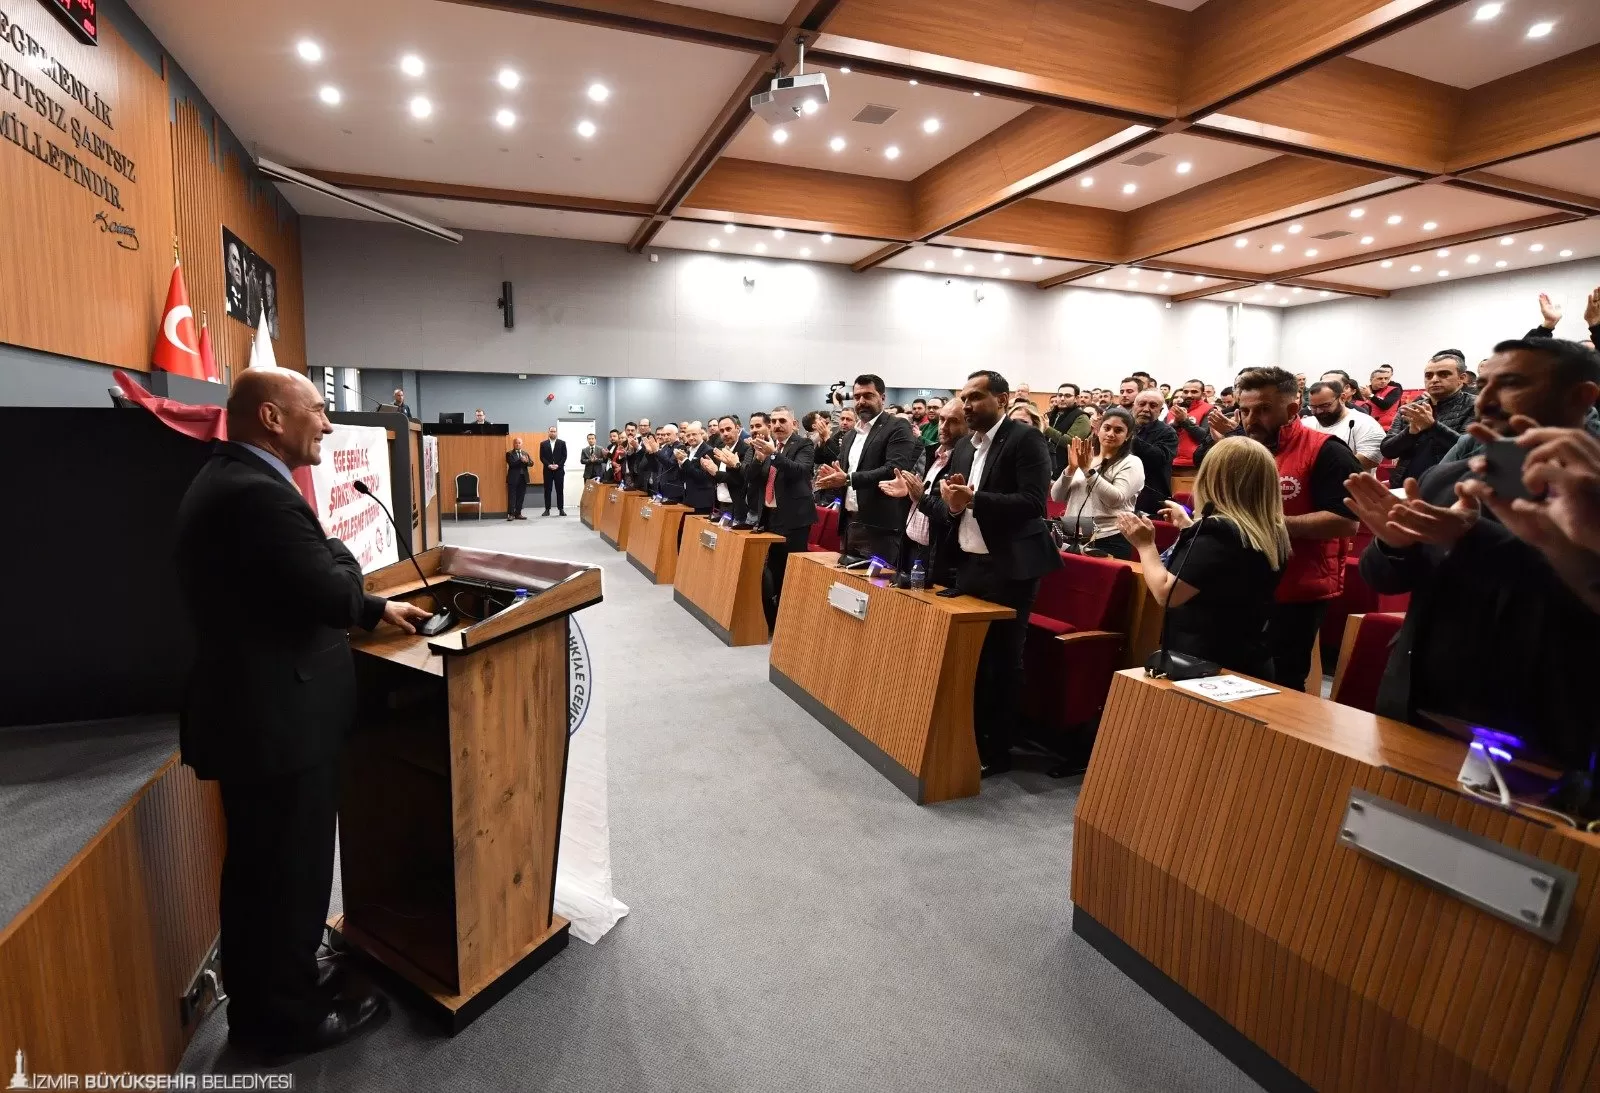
(369, 398)
(441, 619)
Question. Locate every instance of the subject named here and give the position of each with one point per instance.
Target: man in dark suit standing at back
(271, 696)
(994, 493)
(553, 457)
(699, 488)
(783, 467)
(878, 446)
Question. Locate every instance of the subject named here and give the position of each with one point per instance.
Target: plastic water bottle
(519, 599)
(919, 576)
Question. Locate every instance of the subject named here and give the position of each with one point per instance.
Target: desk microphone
(1162, 663)
(1078, 546)
(441, 620)
(369, 398)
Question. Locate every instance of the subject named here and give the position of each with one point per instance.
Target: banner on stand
(351, 453)
(430, 469)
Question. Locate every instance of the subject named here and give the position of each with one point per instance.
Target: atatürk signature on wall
(127, 235)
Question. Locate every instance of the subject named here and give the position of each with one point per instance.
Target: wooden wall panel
(69, 285)
(212, 192)
(484, 456)
(1053, 229)
(774, 195)
(93, 968)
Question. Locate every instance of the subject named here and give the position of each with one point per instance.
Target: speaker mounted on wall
(504, 304)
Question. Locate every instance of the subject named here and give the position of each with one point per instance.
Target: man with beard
(1329, 414)
(1384, 394)
(1312, 469)
(738, 469)
(879, 445)
(1188, 419)
(1425, 430)
(1469, 575)
(1348, 390)
(1155, 443)
(722, 463)
(1130, 388)
(1066, 422)
(937, 551)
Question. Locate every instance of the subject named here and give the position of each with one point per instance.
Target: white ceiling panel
(1304, 241)
(1461, 49)
(1575, 168)
(773, 11)
(762, 242)
(960, 116)
(661, 92)
(989, 265)
(1564, 243)
(472, 215)
(1185, 161)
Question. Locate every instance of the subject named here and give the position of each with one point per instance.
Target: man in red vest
(1188, 418)
(1312, 468)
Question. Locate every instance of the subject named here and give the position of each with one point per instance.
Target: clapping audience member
(783, 465)
(1348, 390)
(1426, 429)
(1066, 421)
(1384, 394)
(1226, 564)
(880, 444)
(1103, 486)
(1155, 443)
(1187, 416)
(1473, 578)
(1329, 414)
(1552, 312)
(699, 486)
(938, 552)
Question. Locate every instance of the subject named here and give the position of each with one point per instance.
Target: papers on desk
(1225, 688)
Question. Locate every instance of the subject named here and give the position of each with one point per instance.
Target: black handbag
(1173, 665)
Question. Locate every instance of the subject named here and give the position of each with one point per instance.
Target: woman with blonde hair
(1226, 562)
(1025, 413)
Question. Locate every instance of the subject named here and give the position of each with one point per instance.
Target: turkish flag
(208, 360)
(176, 347)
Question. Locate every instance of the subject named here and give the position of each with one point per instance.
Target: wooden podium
(616, 516)
(653, 540)
(719, 579)
(594, 495)
(450, 814)
(1214, 861)
(917, 733)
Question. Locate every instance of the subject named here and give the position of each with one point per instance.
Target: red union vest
(1186, 443)
(1315, 570)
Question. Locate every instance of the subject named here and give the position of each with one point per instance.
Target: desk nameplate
(852, 601)
(708, 539)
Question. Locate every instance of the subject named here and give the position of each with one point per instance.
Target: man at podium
(270, 699)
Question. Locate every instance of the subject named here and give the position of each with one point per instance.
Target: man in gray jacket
(1424, 431)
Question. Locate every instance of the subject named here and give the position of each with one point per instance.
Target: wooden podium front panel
(918, 733)
(1206, 842)
(653, 540)
(616, 516)
(594, 495)
(720, 584)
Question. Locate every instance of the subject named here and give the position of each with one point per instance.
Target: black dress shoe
(561, 512)
(997, 765)
(344, 1019)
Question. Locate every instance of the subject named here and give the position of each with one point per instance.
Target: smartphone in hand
(1504, 471)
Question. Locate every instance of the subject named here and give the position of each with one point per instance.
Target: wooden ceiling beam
(487, 195)
(1050, 229)
(804, 18)
(660, 20)
(1488, 182)
(1071, 276)
(1534, 110)
(775, 195)
(1211, 290)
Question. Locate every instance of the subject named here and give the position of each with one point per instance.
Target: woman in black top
(1227, 562)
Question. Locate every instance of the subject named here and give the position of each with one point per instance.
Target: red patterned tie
(772, 477)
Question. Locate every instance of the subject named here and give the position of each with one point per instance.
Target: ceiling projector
(786, 99)
(791, 96)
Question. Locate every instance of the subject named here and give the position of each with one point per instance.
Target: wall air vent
(1340, 234)
(875, 115)
(1144, 159)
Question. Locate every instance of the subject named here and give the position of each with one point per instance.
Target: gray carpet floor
(796, 923)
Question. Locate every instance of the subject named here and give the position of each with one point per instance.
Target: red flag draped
(176, 349)
(208, 360)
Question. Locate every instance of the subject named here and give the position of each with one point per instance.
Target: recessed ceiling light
(998, 256)
(967, 268)
(826, 238)
(1006, 271)
(1566, 254)
(779, 136)
(959, 252)
(892, 152)
(975, 94)
(329, 94)
(1536, 247)
(1133, 282)
(730, 228)
(713, 242)
(778, 233)
(599, 92)
(1269, 286)
(1230, 294)
(1500, 264)
(846, 71)
(809, 106)
(504, 118)
(1395, 219)
(1086, 181)
(1429, 225)
(1241, 241)
(1296, 229)
(1163, 288)
(586, 128)
(1416, 269)
(761, 248)
(412, 65)
(837, 144)
(1130, 187)
(913, 83)
(309, 51)
(931, 125)
(1386, 264)
(1444, 273)
(508, 79)
(1297, 291)
(1167, 276)
(1357, 214)
(1277, 248)
(1507, 240)
(1038, 261)
(421, 107)
(1284, 300)
(1311, 252)
(1541, 29)
(805, 252)
(1324, 292)
(1185, 167)
(1486, 12)
(1472, 259)
(928, 264)
(1199, 280)
(1099, 280)
(1442, 252)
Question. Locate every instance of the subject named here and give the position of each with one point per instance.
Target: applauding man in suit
(553, 455)
(783, 466)
(878, 446)
(699, 488)
(994, 493)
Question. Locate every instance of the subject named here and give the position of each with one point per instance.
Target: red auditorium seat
(1075, 639)
(1357, 598)
(1363, 657)
(1055, 509)
(1166, 533)
(818, 528)
(827, 529)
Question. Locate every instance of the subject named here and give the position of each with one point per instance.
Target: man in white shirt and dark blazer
(881, 444)
(553, 457)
